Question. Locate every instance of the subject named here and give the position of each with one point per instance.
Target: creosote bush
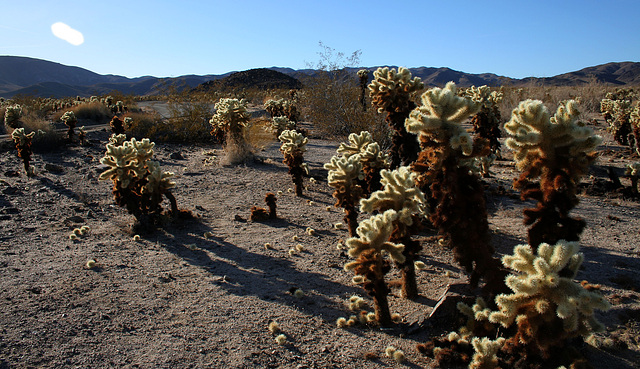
(294, 145)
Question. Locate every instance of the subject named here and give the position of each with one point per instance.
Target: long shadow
(245, 273)
(60, 189)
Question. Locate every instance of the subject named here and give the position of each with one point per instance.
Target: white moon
(64, 32)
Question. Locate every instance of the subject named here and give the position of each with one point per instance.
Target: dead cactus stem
(294, 161)
(459, 211)
(404, 145)
(373, 267)
(402, 235)
(556, 194)
(348, 199)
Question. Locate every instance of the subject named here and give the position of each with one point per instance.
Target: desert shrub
(92, 111)
(149, 125)
(189, 115)
(330, 100)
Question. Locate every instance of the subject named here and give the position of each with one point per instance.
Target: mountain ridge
(38, 77)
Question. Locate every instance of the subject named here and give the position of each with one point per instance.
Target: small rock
(53, 168)
(176, 156)
(12, 173)
(238, 218)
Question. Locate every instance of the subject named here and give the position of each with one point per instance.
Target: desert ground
(178, 299)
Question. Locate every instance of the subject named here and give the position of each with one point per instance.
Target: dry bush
(146, 125)
(331, 103)
(259, 133)
(93, 111)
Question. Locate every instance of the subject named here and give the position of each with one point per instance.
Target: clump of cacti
(117, 125)
(486, 122)
(634, 121)
(400, 194)
(455, 193)
(294, 145)
(616, 110)
(232, 118)
(370, 264)
(371, 157)
(12, 115)
(363, 79)
(23, 145)
(139, 183)
(344, 173)
(553, 153)
(280, 124)
(70, 120)
(633, 172)
(282, 108)
(392, 92)
(259, 214)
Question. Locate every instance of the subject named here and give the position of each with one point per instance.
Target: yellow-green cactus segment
(632, 170)
(281, 123)
(123, 164)
(144, 149)
(343, 171)
(356, 144)
(538, 282)
(68, 117)
(389, 83)
(483, 95)
(20, 138)
(440, 116)
(158, 180)
(117, 140)
(535, 134)
(230, 112)
(399, 193)
(374, 234)
(486, 351)
(363, 145)
(292, 141)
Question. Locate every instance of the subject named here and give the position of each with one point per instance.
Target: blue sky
(171, 38)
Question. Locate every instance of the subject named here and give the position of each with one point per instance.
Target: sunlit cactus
(370, 264)
(553, 153)
(12, 115)
(486, 122)
(293, 147)
(70, 120)
(282, 108)
(454, 192)
(392, 92)
(400, 194)
(371, 157)
(139, 183)
(232, 118)
(548, 306)
(634, 120)
(280, 124)
(633, 172)
(344, 173)
(23, 145)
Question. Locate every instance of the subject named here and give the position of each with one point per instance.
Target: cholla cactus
(282, 108)
(344, 173)
(558, 151)
(232, 117)
(633, 172)
(23, 145)
(455, 194)
(370, 264)
(280, 124)
(486, 351)
(392, 92)
(400, 194)
(70, 120)
(294, 145)
(12, 115)
(634, 121)
(547, 305)
(363, 78)
(138, 182)
(371, 157)
(616, 110)
(117, 125)
(486, 122)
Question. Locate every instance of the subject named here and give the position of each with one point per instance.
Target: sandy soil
(176, 299)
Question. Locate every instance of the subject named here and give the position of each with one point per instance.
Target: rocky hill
(260, 78)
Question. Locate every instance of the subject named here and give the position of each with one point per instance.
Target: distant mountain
(29, 76)
(261, 78)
